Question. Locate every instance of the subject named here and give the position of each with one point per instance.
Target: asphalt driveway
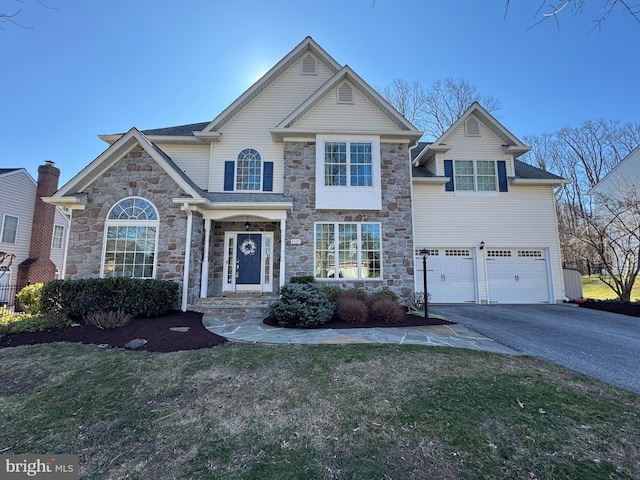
(602, 345)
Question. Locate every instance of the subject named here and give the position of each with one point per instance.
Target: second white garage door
(450, 275)
(517, 276)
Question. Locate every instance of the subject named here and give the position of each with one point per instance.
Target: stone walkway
(250, 328)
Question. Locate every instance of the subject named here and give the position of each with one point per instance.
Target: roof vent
(472, 128)
(309, 65)
(345, 93)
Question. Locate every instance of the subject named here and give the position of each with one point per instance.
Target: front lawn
(298, 412)
(593, 287)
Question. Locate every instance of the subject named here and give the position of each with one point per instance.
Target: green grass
(298, 412)
(593, 287)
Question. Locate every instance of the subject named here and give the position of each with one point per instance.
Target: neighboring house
(487, 220)
(623, 176)
(619, 190)
(307, 173)
(29, 228)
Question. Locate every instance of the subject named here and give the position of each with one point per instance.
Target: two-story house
(308, 172)
(33, 231)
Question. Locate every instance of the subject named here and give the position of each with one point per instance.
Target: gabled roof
(68, 193)
(304, 47)
(613, 173)
(345, 73)
(7, 172)
(511, 143)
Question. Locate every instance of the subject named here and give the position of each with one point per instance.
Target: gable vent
(472, 127)
(345, 93)
(309, 65)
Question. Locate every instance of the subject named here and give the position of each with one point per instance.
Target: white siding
(522, 217)
(328, 114)
(17, 197)
(250, 127)
(485, 147)
(626, 174)
(192, 160)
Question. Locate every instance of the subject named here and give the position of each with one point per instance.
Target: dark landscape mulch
(156, 331)
(630, 309)
(408, 321)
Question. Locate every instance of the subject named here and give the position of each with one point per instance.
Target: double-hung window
(348, 164)
(348, 250)
(348, 172)
(9, 229)
(58, 236)
(131, 239)
(476, 175)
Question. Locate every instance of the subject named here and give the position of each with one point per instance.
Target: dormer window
(345, 93)
(472, 128)
(309, 65)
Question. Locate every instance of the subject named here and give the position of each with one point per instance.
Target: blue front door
(248, 259)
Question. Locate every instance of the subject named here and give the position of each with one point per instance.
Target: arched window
(131, 232)
(248, 170)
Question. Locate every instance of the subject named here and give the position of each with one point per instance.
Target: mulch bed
(632, 310)
(408, 321)
(154, 330)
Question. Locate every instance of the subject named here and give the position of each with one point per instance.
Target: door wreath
(248, 247)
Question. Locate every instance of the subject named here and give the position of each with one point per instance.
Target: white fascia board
(539, 181)
(430, 180)
(427, 152)
(74, 202)
(515, 150)
(402, 136)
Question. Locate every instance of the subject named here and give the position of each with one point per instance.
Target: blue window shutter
(228, 175)
(448, 172)
(502, 176)
(267, 179)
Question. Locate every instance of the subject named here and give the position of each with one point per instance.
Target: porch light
(247, 225)
(482, 245)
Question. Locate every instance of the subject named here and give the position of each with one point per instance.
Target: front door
(248, 259)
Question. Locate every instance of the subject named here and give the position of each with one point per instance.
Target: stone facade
(135, 175)
(395, 217)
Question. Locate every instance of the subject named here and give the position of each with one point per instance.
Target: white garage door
(450, 275)
(517, 276)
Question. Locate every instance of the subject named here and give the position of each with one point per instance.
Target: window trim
(131, 223)
(336, 252)
(4, 224)
(237, 169)
(334, 197)
(501, 179)
(54, 237)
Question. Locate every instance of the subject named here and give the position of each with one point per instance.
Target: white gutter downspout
(187, 257)
(283, 227)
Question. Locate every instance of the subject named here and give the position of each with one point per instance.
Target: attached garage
(517, 275)
(450, 275)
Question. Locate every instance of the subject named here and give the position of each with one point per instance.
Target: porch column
(204, 275)
(187, 258)
(283, 228)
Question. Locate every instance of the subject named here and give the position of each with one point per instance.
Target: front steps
(232, 304)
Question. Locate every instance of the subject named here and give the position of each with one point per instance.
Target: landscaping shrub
(384, 309)
(304, 279)
(107, 320)
(332, 292)
(29, 298)
(388, 293)
(359, 293)
(301, 305)
(137, 297)
(351, 309)
(26, 322)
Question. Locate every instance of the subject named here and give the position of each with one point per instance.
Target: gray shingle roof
(247, 197)
(524, 170)
(179, 130)
(7, 170)
(416, 151)
(421, 172)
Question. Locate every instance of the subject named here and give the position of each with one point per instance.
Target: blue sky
(93, 67)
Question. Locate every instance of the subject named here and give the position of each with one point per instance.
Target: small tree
(612, 231)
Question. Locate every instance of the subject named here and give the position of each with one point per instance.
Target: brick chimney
(39, 267)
